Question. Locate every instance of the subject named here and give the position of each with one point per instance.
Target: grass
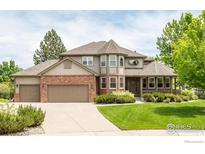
(156, 116)
(2, 100)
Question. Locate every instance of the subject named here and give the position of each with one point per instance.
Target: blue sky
(22, 31)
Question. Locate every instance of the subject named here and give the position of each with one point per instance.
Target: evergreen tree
(50, 48)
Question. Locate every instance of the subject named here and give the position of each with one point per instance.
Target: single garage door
(29, 93)
(68, 93)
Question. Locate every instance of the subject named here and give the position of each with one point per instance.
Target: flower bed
(116, 97)
(186, 95)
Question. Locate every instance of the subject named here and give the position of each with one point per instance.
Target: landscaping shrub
(189, 93)
(148, 97)
(4, 100)
(6, 90)
(178, 99)
(167, 100)
(115, 97)
(184, 98)
(194, 97)
(13, 120)
(172, 97)
(10, 123)
(33, 116)
(160, 97)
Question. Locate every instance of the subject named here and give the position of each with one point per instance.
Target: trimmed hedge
(167, 97)
(115, 98)
(24, 116)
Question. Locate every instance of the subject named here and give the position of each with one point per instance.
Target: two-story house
(95, 68)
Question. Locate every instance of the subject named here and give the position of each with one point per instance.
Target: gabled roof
(152, 69)
(36, 69)
(102, 47)
(43, 67)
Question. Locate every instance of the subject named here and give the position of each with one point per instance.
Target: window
(167, 82)
(121, 61)
(112, 60)
(103, 84)
(113, 83)
(121, 83)
(103, 60)
(160, 82)
(151, 82)
(87, 60)
(144, 84)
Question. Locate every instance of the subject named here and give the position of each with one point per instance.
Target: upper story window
(160, 82)
(103, 60)
(151, 82)
(112, 60)
(121, 61)
(167, 82)
(87, 60)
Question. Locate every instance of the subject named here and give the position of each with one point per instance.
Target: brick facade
(107, 89)
(89, 80)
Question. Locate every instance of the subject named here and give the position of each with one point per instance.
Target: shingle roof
(35, 70)
(102, 47)
(152, 69)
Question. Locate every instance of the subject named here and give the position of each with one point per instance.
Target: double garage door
(55, 93)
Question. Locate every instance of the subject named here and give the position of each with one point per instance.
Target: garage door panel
(29, 93)
(68, 93)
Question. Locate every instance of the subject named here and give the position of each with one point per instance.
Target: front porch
(140, 85)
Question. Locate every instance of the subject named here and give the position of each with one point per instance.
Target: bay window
(113, 82)
(103, 60)
(121, 83)
(121, 61)
(112, 60)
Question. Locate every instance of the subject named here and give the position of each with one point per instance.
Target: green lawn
(156, 116)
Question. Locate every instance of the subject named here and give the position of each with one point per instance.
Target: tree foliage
(189, 54)
(7, 68)
(171, 33)
(50, 48)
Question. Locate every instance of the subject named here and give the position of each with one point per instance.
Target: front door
(133, 85)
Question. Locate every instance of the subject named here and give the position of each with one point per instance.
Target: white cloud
(21, 32)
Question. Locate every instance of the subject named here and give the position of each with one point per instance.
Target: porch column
(141, 84)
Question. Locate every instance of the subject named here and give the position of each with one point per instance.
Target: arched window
(121, 61)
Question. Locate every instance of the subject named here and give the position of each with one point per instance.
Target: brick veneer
(108, 90)
(17, 97)
(89, 80)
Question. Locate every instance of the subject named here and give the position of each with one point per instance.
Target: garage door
(29, 93)
(71, 93)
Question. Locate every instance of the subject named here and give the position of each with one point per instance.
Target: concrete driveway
(74, 119)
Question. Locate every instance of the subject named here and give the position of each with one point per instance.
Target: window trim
(146, 83)
(166, 82)
(123, 61)
(101, 60)
(86, 57)
(162, 83)
(110, 82)
(115, 61)
(101, 82)
(123, 79)
(149, 83)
